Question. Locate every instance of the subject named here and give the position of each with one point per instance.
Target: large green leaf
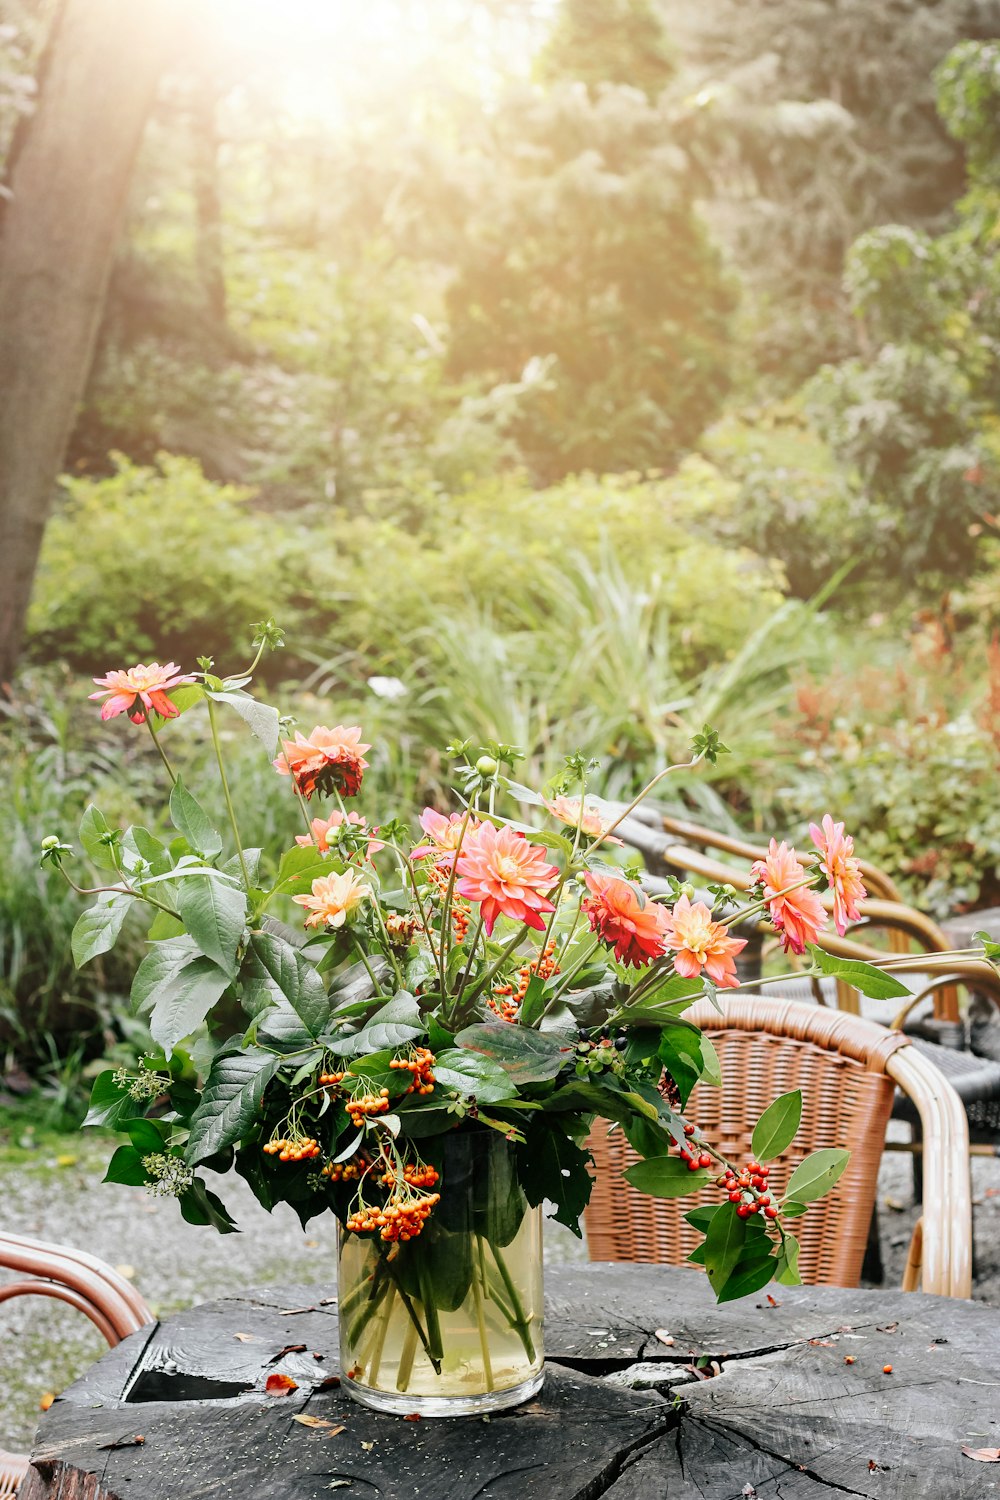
(662, 1005)
(552, 1167)
(96, 930)
(682, 1055)
(126, 1167)
(666, 1177)
(215, 915)
(177, 986)
(190, 818)
(394, 1025)
(472, 1073)
(526, 1056)
(261, 718)
(298, 869)
(93, 831)
(724, 1243)
(277, 975)
(230, 1102)
(199, 1205)
(873, 982)
(816, 1175)
(111, 1104)
(788, 1262)
(754, 1269)
(163, 961)
(776, 1128)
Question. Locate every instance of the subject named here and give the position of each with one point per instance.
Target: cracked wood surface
(787, 1418)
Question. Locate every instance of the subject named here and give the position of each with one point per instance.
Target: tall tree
(67, 179)
(610, 41)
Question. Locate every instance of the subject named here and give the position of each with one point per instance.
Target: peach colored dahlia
(321, 828)
(327, 760)
(621, 917)
(567, 810)
(697, 943)
(504, 873)
(797, 914)
(841, 869)
(334, 899)
(139, 691)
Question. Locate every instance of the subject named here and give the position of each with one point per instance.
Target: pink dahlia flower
(321, 828)
(841, 869)
(139, 691)
(697, 943)
(444, 834)
(326, 760)
(504, 873)
(798, 914)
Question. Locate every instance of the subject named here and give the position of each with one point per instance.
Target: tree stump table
(803, 1394)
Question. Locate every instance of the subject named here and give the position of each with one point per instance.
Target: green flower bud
(487, 766)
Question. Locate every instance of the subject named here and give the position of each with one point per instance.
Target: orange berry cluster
(343, 1171)
(363, 1105)
(330, 1080)
(304, 1148)
(420, 1063)
(414, 1173)
(439, 876)
(398, 1220)
(506, 1000)
(748, 1190)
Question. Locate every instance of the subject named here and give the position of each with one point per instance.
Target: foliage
(609, 41)
(587, 261)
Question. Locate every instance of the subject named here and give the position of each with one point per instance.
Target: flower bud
(487, 766)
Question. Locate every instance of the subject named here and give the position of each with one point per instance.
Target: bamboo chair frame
(78, 1279)
(848, 1069)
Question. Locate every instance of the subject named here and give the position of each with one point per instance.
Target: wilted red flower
(620, 916)
(798, 913)
(506, 875)
(328, 760)
(139, 690)
(699, 943)
(841, 869)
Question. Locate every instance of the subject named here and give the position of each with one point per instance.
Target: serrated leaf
(665, 1177)
(96, 929)
(177, 986)
(777, 1126)
(525, 1056)
(873, 982)
(472, 1073)
(276, 974)
(215, 915)
(552, 1167)
(93, 825)
(165, 959)
(190, 818)
(230, 1101)
(260, 717)
(394, 1025)
(816, 1175)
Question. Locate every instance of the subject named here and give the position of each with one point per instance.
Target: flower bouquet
(417, 1033)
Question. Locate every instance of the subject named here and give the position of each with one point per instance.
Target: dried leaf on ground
(246, 1338)
(983, 1455)
(320, 1423)
(280, 1385)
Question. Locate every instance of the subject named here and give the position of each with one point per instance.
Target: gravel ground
(49, 1195)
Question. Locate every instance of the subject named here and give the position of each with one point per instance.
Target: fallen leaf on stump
(983, 1455)
(280, 1385)
(46, 1401)
(245, 1338)
(320, 1423)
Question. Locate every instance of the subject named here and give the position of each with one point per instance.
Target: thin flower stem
(747, 911)
(687, 765)
(567, 979)
(118, 890)
(523, 1324)
(491, 973)
(364, 959)
(468, 965)
(226, 792)
(484, 1341)
(159, 749)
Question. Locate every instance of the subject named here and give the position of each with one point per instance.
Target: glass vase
(448, 1323)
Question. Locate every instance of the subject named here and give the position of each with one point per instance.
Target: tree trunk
(68, 183)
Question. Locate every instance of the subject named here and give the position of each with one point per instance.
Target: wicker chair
(848, 1069)
(79, 1279)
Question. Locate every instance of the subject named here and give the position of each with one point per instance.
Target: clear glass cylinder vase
(448, 1323)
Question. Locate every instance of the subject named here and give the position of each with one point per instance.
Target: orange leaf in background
(46, 1401)
(280, 1385)
(984, 1455)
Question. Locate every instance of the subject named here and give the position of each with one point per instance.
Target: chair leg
(917, 1137)
(915, 1261)
(872, 1268)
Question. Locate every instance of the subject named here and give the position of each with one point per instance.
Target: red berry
(692, 1164)
(751, 1208)
(704, 1160)
(743, 1210)
(689, 1130)
(735, 1197)
(771, 1212)
(753, 1166)
(763, 1198)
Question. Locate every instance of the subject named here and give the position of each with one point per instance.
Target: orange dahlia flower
(334, 899)
(590, 822)
(697, 943)
(620, 916)
(321, 828)
(798, 914)
(327, 760)
(444, 835)
(140, 690)
(504, 873)
(841, 869)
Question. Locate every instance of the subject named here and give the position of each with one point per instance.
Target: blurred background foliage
(584, 370)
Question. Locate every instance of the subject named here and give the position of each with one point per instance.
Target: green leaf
(793, 1210)
(750, 1273)
(177, 986)
(666, 1177)
(816, 1175)
(394, 1025)
(230, 1102)
(553, 1167)
(96, 930)
(526, 1056)
(261, 718)
(991, 948)
(680, 1052)
(662, 1006)
(140, 847)
(874, 983)
(701, 1218)
(776, 1128)
(190, 818)
(126, 1167)
(298, 869)
(163, 961)
(277, 975)
(110, 1104)
(533, 1003)
(147, 1136)
(93, 826)
(788, 1262)
(724, 1243)
(471, 1073)
(187, 696)
(215, 915)
(201, 1206)
(711, 1068)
